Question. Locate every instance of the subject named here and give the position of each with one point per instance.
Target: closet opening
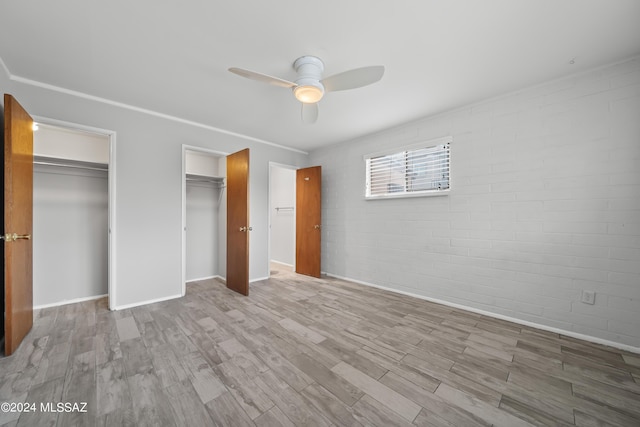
(204, 215)
(282, 218)
(71, 215)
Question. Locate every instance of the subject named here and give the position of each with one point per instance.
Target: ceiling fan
(310, 87)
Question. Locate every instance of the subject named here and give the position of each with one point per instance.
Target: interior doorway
(282, 217)
(229, 173)
(295, 225)
(70, 215)
(204, 214)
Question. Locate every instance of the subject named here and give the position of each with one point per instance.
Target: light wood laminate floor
(318, 352)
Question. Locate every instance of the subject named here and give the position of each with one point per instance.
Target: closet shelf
(68, 163)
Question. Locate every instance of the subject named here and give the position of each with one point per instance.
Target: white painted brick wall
(545, 202)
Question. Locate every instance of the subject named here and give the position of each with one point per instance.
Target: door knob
(243, 229)
(317, 226)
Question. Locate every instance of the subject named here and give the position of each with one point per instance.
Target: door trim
(112, 286)
(270, 207)
(185, 148)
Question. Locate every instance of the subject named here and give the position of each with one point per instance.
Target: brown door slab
(308, 220)
(18, 223)
(238, 222)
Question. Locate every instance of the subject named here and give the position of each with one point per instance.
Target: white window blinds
(415, 171)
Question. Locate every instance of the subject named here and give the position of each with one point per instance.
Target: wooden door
(18, 223)
(238, 222)
(308, 220)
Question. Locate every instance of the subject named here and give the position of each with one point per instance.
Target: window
(415, 171)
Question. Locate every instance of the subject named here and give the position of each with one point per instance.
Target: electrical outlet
(588, 297)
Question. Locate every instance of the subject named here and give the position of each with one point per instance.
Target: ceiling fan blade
(262, 77)
(309, 113)
(353, 79)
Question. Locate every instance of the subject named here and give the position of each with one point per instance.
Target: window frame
(404, 150)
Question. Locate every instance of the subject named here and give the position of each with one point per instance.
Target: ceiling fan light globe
(308, 94)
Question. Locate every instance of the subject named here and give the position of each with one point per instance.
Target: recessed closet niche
(205, 201)
(70, 215)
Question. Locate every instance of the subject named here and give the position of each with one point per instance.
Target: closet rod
(204, 178)
(285, 208)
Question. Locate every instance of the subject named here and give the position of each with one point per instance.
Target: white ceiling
(172, 57)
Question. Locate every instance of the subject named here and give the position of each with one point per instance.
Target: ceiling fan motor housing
(308, 88)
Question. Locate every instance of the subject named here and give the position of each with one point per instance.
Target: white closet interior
(70, 215)
(205, 208)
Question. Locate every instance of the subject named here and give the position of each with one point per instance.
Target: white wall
(545, 202)
(70, 239)
(222, 224)
(282, 192)
(57, 142)
(198, 163)
(202, 230)
(148, 170)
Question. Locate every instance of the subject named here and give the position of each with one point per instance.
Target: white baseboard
(152, 301)
(204, 278)
(224, 279)
(71, 301)
(572, 334)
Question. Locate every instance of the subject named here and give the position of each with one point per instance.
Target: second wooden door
(308, 220)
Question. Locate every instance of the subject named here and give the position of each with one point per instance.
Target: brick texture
(545, 203)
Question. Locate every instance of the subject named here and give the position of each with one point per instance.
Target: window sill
(409, 195)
